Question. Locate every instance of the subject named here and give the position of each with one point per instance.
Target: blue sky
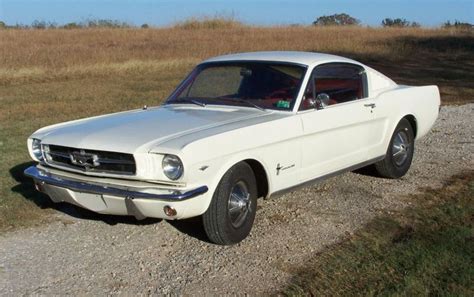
(259, 12)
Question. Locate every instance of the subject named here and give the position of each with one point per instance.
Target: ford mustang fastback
(239, 127)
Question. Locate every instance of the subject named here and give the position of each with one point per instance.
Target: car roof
(305, 58)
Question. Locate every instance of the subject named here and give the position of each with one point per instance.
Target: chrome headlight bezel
(37, 150)
(172, 167)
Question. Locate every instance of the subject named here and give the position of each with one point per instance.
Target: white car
(237, 128)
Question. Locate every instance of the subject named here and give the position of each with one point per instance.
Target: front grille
(90, 160)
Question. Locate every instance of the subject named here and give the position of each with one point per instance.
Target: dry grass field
(50, 76)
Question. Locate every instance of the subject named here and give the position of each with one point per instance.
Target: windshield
(263, 85)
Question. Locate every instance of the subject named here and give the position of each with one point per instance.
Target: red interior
(339, 90)
(354, 86)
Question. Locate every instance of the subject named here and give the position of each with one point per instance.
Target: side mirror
(313, 103)
(322, 100)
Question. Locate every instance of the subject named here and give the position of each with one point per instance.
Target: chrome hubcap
(239, 204)
(400, 148)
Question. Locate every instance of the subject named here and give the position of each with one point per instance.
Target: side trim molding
(325, 177)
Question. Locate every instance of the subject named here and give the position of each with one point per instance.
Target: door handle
(371, 105)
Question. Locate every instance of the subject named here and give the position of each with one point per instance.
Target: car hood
(141, 130)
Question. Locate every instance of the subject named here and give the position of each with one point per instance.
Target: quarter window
(334, 83)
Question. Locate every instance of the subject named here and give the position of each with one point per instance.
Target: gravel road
(94, 254)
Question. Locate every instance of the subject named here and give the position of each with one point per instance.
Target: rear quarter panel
(420, 102)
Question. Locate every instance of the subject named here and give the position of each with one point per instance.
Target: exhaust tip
(169, 211)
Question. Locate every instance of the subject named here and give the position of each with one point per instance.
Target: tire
(230, 215)
(399, 153)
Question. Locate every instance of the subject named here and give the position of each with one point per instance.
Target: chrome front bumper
(44, 177)
(108, 198)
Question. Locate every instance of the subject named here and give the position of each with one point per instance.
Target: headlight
(36, 149)
(172, 167)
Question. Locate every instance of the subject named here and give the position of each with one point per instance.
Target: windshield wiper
(252, 104)
(190, 100)
(244, 101)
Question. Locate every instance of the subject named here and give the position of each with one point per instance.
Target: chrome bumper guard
(44, 177)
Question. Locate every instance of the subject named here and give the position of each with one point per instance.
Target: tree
(458, 25)
(340, 19)
(38, 24)
(72, 25)
(145, 26)
(398, 22)
(105, 23)
(3, 25)
(52, 25)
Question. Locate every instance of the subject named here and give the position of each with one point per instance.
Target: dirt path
(103, 254)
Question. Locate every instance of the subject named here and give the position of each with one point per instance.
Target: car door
(337, 118)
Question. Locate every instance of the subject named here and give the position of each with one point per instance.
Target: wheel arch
(258, 166)
(412, 120)
(260, 176)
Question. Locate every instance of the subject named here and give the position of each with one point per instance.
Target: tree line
(343, 19)
(339, 19)
(93, 23)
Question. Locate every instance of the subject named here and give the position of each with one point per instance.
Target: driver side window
(334, 83)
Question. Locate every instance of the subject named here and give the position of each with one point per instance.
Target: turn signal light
(169, 211)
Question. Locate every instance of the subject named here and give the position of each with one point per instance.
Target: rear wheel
(399, 153)
(230, 216)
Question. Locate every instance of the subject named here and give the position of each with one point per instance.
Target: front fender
(212, 172)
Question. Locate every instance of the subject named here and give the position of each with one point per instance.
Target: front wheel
(399, 153)
(230, 216)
